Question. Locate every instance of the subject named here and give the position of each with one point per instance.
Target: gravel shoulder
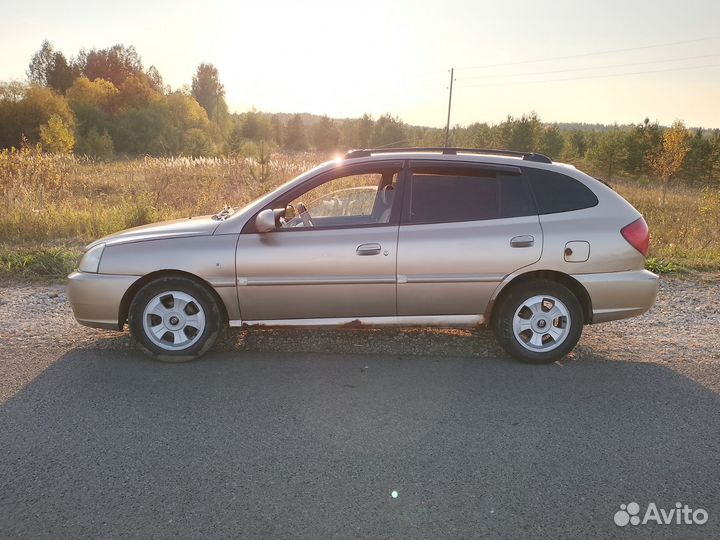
(679, 332)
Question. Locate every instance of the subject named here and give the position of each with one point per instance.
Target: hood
(193, 226)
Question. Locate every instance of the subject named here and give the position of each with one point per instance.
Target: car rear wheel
(174, 319)
(538, 321)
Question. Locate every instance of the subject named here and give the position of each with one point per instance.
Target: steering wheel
(304, 215)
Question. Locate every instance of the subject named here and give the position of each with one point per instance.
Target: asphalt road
(105, 444)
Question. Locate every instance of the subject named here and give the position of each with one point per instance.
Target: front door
(334, 251)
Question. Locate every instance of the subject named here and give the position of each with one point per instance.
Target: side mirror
(265, 220)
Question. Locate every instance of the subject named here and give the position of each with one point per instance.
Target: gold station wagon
(408, 237)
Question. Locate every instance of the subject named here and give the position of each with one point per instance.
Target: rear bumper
(96, 298)
(619, 295)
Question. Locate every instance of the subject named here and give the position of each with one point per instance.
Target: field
(53, 205)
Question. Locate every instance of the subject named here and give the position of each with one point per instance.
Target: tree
(666, 162)
(609, 152)
(295, 137)
(277, 129)
(209, 91)
(95, 144)
(197, 143)
(714, 157)
(256, 127)
(522, 134)
(135, 93)
(480, 135)
(25, 109)
(643, 141)
(186, 112)
(698, 163)
(99, 93)
(388, 131)
(57, 136)
(365, 128)
(144, 131)
(326, 135)
(235, 140)
(92, 102)
(62, 74)
(155, 80)
(577, 144)
(552, 142)
(114, 64)
(49, 67)
(41, 63)
(183, 113)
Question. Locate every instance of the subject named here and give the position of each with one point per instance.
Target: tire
(174, 319)
(538, 321)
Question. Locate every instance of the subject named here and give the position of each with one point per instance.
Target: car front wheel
(174, 319)
(538, 321)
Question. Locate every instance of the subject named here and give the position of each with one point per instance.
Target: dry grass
(61, 199)
(683, 231)
(52, 205)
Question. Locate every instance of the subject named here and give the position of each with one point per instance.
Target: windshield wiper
(225, 212)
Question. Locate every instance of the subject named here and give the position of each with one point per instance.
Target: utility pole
(447, 126)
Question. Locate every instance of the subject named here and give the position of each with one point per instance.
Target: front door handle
(368, 249)
(526, 240)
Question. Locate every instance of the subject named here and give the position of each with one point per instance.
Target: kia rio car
(407, 237)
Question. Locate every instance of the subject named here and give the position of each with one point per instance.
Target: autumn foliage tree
(668, 160)
(57, 136)
(103, 102)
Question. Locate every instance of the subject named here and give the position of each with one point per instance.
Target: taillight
(638, 235)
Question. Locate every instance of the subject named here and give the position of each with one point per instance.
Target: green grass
(660, 266)
(39, 262)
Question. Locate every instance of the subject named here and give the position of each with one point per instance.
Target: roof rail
(527, 156)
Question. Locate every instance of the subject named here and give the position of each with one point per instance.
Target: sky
(569, 61)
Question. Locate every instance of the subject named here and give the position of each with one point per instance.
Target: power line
(593, 76)
(607, 66)
(594, 53)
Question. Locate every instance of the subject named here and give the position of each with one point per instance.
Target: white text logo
(629, 514)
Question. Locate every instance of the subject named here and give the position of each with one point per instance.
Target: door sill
(443, 321)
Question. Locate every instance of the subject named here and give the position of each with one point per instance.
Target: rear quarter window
(555, 192)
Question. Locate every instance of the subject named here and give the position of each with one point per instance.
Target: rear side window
(555, 192)
(446, 196)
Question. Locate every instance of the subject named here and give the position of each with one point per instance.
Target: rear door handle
(368, 249)
(525, 240)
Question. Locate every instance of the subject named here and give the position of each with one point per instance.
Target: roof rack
(527, 156)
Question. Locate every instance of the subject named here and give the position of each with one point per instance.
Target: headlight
(91, 260)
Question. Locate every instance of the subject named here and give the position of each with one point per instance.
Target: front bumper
(619, 295)
(96, 298)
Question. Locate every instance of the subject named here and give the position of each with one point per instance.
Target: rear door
(464, 227)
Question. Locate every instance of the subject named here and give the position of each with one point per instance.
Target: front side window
(438, 197)
(358, 199)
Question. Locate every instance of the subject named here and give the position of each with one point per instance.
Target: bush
(95, 145)
(197, 143)
(56, 136)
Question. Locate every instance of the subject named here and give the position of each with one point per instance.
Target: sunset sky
(570, 61)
